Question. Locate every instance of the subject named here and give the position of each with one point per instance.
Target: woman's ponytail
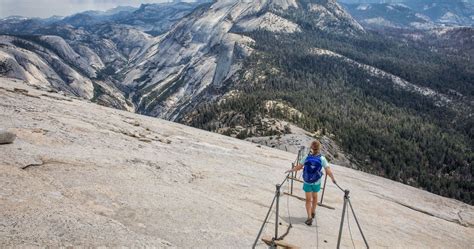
(315, 147)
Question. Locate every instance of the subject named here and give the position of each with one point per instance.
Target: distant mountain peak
(207, 47)
(15, 18)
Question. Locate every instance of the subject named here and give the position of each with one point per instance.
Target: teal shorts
(311, 187)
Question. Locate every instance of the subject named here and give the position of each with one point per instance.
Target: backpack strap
(311, 155)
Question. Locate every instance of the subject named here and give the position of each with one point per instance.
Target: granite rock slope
(80, 174)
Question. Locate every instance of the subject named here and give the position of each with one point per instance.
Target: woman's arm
(296, 168)
(330, 174)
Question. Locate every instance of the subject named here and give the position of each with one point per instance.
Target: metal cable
(286, 178)
(317, 231)
(339, 187)
(358, 225)
(266, 222)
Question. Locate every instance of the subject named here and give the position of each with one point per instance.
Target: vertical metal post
(292, 177)
(264, 222)
(277, 213)
(301, 153)
(346, 199)
(324, 188)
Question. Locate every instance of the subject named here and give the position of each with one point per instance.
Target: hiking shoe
(309, 222)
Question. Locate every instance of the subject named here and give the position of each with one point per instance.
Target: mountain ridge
(231, 14)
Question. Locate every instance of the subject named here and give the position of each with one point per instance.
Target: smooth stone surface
(93, 176)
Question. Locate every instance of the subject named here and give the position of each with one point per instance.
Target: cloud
(47, 8)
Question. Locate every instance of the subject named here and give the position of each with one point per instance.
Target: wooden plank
(298, 180)
(304, 199)
(297, 197)
(279, 243)
(295, 179)
(326, 206)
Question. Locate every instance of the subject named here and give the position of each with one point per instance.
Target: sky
(48, 8)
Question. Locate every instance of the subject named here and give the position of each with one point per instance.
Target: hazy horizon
(48, 8)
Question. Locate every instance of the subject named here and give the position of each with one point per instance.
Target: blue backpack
(312, 171)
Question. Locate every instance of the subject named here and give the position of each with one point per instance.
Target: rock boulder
(6, 137)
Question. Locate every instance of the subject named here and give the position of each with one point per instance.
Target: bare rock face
(84, 175)
(204, 50)
(194, 59)
(6, 137)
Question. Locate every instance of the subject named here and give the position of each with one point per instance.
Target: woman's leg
(309, 201)
(314, 202)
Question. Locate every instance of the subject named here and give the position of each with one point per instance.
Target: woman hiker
(313, 165)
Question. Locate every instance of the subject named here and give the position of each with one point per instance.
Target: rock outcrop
(199, 56)
(6, 137)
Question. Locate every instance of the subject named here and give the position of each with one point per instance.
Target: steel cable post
(346, 198)
(324, 188)
(293, 176)
(348, 201)
(277, 214)
(264, 222)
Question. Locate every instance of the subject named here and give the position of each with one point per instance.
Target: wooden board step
(297, 197)
(299, 180)
(279, 243)
(304, 199)
(325, 206)
(295, 179)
